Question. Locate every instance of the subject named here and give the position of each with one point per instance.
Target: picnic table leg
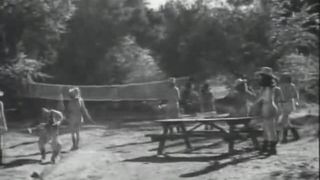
(230, 139)
(162, 141)
(253, 136)
(1, 153)
(186, 139)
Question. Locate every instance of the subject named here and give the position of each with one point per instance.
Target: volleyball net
(124, 92)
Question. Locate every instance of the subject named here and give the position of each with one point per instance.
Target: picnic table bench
(229, 134)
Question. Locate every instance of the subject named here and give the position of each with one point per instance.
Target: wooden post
(1, 152)
(185, 133)
(230, 138)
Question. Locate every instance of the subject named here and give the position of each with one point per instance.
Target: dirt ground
(120, 151)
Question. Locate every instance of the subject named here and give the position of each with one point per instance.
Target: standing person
(75, 112)
(290, 101)
(173, 97)
(279, 98)
(206, 98)
(190, 99)
(269, 110)
(49, 131)
(3, 127)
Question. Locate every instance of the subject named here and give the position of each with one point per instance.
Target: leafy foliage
(29, 33)
(120, 41)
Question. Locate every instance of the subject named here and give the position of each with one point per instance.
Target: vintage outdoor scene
(159, 89)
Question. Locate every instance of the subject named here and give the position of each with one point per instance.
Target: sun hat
(266, 71)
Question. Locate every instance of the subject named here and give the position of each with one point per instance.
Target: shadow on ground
(172, 159)
(19, 162)
(217, 165)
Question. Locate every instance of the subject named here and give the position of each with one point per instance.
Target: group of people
(74, 114)
(277, 99)
(272, 102)
(51, 119)
(189, 100)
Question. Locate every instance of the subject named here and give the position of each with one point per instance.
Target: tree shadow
(195, 140)
(35, 154)
(173, 159)
(217, 165)
(19, 162)
(22, 144)
(128, 144)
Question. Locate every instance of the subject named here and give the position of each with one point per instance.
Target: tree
(95, 29)
(29, 33)
(131, 63)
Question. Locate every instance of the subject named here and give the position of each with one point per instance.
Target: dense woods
(122, 41)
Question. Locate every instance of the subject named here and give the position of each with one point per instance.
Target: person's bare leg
(56, 148)
(77, 139)
(272, 137)
(73, 137)
(264, 147)
(41, 144)
(285, 126)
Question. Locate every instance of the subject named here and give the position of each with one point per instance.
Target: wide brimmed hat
(285, 74)
(266, 71)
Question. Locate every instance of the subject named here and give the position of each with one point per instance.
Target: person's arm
(295, 94)
(3, 117)
(85, 112)
(177, 93)
(58, 117)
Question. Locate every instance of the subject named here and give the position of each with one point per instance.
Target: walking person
(269, 110)
(49, 131)
(75, 112)
(289, 104)
(3, 127)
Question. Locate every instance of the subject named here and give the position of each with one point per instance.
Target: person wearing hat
(48, 130)
(289, 103)
(75, 112)
(3, 126)
(269, 109)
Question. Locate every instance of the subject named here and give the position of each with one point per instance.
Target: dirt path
(124, 153)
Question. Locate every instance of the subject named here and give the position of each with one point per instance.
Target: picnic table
(229, 134)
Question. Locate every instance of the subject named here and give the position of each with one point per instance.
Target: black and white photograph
(159, 89)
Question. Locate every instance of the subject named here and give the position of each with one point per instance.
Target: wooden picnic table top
(214, 119)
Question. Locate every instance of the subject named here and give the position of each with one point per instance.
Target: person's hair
(286, 79)
(266, 81)
(75, 91)
(205, 87)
